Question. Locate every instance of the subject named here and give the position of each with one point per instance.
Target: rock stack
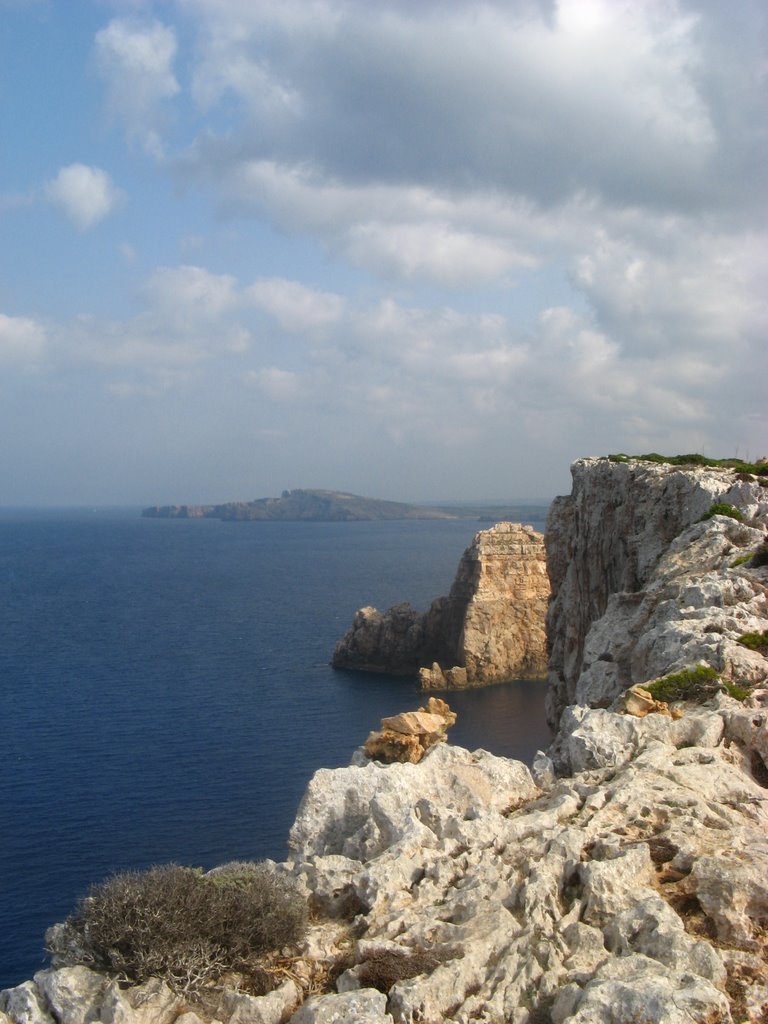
(489, 629)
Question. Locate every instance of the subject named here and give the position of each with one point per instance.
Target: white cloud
(85, 194)
(469, 94)
(276, 384)
(438, 252)
(135, 59)
(295, 306)
(22, 340)
(190, 294)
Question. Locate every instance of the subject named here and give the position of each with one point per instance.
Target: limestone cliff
(489, 629)
(623, 878)
(608, 540)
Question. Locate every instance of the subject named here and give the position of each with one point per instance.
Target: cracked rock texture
(490, 628)
(622, 879)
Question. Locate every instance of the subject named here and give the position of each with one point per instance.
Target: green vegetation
(755, 641)
(183, 926)
(741, 560)
(760, 557)
(750, 468)
(736, 691)
(722, 508)
(697, 684)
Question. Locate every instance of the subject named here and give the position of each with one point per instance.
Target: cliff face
(489, 629)
(605, 542)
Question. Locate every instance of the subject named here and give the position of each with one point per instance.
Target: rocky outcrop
(620, 879)
(490, 628)
(408, 737)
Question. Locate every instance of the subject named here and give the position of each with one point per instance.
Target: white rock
(25, 1004)
(150, 1003)
(74, 994)
(636, 988)
(359, 812)
(240, 1008)
(651, 927)
(366, 1006)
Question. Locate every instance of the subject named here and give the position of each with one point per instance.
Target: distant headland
(338, 506)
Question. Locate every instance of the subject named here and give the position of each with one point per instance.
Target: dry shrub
(183, 926)
(382, 968)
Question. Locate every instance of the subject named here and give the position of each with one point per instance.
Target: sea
(166, 692)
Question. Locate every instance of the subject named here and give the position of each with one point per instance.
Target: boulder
(408, 736)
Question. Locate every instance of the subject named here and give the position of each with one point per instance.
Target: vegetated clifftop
(621, 879)
(301, 504)
(489, 629)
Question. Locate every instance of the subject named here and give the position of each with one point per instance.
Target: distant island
(338, 506)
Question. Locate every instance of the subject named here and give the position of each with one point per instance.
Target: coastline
(622, 876)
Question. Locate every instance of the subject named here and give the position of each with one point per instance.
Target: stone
(408, 736)
(273, 1008)
(639, 702)
(489, 629)
(414, 723)
(150, 1003)
(594, 892)
(74, 994)
(25, 1004)
(366, 1006)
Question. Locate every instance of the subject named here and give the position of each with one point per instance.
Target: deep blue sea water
(165, 692)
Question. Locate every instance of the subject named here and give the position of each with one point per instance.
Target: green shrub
(183, 926)
(722, 508)
(755, 641)
(697, 684)
(759, 469)
(737, 691)
(760, 557)
(741, 560)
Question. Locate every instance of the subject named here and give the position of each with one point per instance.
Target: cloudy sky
(416, 249)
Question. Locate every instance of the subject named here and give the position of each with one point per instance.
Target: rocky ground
(622, 879)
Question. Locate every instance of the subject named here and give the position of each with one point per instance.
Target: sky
(425, 251)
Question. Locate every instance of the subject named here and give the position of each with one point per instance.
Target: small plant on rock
(181, 925)
(722, 508)
(741, 560)
(737, 691)
(755, 641)
(697, 684)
